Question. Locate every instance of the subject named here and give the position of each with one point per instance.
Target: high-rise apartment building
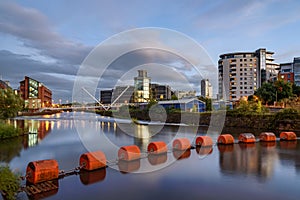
(296, 70)
(35, 94)
(241, 73)
(206, 88)
(286, 72)
(142, 87)
(160, 92)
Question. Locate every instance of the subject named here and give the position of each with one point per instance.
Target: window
(289, 75)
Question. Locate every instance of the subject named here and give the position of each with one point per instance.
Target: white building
(206, 88)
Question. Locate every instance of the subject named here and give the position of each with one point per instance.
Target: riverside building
(241, 73)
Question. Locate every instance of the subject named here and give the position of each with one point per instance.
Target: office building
(206, 88)
(35, 94)
(118, 95)
(180, 94)
(296, 70)
(160, 92)
(142, 87)
(241, 73)
(286, 72)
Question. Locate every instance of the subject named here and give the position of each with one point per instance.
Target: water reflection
(248, 159)
(289, 154)
(91, 177)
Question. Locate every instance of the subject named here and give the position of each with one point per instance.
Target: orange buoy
(92, 160)
(128, 153)
(288, 144)
(90, 177)
(129, 166)
(181, 144)
(225, 148)
(245, 145)
(204, 150)
(288, 136)
(204, 141)
(268, 144)
(225, 139)
(267, 137)
(181, 154)
(246, 138)
(156, 159)
(157, 147)
(42, 170)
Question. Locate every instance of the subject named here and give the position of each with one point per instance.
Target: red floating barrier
(204, 141)
(226, 148)
(92, 160)
(181, 144)
(182, 154)
(157, 147)
(246, 138)
(288, 136)
(90, 177)
(154, 159)
(225, 139)
(267, 137)
(204, 150)
(42, 170)
(128, 153)
(129, 166)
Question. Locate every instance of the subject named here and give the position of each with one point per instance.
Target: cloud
(35, 31)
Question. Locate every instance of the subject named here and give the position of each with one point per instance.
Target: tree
(296, 90)
(208, 102)
(10, 103)
(267, 93)
(283, 89)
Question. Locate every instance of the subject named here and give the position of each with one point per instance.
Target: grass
(8, 131)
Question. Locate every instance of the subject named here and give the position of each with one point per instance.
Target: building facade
(206, 89)
(286, 72)
(296, 70)
(142, 87)
(160, 92)
(241, 73)
(35, 94)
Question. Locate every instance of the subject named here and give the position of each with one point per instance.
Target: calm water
(258, 171)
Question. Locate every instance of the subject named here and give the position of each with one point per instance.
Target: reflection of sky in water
(259, 171)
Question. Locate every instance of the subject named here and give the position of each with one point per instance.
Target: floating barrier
(225, 139)
(156, 159)
(42, 190)
(268, 144)
(182, 154)
(90, 177)
(181, 144)
(42, 170)
(129, 166)
(92, 160)
(204, 141)
(157, 147)
(288, 144)
(267, 137)
(244, 145)
(225, 148)
(246, 138)
(204, 150)
(288, 136)
(129, 153)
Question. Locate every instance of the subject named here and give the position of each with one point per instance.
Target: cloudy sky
(49, 41)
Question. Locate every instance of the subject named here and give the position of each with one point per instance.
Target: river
(257, 171)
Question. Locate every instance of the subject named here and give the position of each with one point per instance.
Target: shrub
(7, 131)
(9, 183)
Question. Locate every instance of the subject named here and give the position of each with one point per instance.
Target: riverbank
(47, 112)
(285, 120)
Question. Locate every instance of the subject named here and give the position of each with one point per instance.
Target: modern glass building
(142, 87)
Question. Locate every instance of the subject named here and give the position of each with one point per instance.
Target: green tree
(10, 103)
(296, 90)
(208, 102)
(267, 93)
(283, 89)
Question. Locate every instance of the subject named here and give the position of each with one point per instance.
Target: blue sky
(49, 41)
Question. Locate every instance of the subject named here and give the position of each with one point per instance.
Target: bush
(287, 114)
(9, 183)
(7, 131)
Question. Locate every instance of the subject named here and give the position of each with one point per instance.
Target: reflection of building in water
(245, 159)
(289, 154)
(38, 130)
(142, 137)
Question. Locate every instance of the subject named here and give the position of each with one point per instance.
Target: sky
(50, 41)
